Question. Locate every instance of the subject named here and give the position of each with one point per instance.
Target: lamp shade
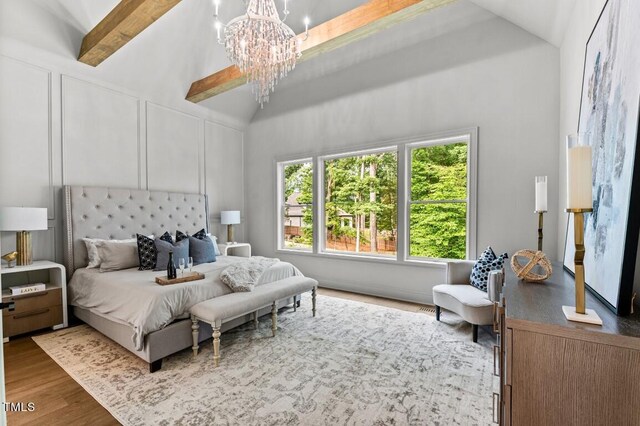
(230, 217)
(23, 219)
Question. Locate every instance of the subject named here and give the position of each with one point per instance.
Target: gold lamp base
(24, 248)
(230, 234)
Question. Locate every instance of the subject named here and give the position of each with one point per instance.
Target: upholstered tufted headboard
(108, 213)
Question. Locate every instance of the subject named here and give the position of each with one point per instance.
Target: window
(438, 200)
(409, 202)
(296, 205)
(361, 203)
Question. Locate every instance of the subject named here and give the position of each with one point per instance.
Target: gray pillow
(117, 255)
(202, 251)
(180, 251)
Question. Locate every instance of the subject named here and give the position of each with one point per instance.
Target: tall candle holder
(541, 205)
(540, 227)
(579, 202)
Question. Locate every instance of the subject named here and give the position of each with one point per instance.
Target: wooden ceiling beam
(128, 19)
(354, 25)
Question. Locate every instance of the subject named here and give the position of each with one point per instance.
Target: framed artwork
(609, 118)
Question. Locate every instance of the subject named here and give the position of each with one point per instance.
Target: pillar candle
(541, 193)
(579, 178)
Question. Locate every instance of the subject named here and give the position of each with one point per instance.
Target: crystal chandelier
(261, 45)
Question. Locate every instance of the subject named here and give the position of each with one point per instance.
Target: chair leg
(255, 319)
(437, 313)
(475, 332)
(313, 300)
(216, 346)
(274, 319)
(295, 304)
(195, 332)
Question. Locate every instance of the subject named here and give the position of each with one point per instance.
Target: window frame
(320, 168)
(470, 201)
(281, 204)
(403, 148)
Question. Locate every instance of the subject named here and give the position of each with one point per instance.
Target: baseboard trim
(396, 294)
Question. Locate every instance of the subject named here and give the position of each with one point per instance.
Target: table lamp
(579, 202)
(230, 218)
(22, 220)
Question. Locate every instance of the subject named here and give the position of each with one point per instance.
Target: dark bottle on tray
(171, 268)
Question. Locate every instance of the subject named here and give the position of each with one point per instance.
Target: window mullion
(403, 188)
(319, 231)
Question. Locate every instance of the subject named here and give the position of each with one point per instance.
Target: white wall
(59, 126)
(490, 74)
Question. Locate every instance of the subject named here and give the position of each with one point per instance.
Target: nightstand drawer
(33, 302)
(30, 321)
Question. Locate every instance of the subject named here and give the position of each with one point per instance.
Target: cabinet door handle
(32, 313)
(496, 408)
(496, 365)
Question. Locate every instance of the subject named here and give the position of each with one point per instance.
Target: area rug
(354, 364)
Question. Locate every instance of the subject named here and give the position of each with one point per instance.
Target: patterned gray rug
(355, 364)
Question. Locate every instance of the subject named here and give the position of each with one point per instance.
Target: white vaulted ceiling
(545, 18)
(180, 48)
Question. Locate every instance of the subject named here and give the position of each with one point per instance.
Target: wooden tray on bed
(188, 276)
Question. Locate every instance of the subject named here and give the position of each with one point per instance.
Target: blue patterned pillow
(487, 262)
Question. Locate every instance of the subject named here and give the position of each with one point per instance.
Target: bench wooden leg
(216, 346)
(274, 319)
(313, 300)
(255, 319)
(195, 333)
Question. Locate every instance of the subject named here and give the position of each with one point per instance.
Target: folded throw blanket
(244, 276)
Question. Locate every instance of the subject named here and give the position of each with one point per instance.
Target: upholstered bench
(230, 306)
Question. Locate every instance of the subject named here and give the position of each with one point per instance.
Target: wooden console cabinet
(556, 372)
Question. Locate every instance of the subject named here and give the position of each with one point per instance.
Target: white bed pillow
(92, 249)
(214, 239)
(116, 255)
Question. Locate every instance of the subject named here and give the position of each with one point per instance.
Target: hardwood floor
(32, 376)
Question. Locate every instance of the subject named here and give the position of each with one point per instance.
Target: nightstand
(238, 249)
(34, 311)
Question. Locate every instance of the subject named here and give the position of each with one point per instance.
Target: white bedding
(132, 297)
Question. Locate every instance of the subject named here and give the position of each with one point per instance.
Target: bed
(127, 306)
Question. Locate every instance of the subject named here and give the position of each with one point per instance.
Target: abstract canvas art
(609, 113)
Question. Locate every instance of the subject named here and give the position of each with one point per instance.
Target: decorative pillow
(487, 262)
(201, 234)
(214, 240)
(92, 250)
(180, 251)
(147, 253)
(202, 251)
(115, 256)
(180, 236)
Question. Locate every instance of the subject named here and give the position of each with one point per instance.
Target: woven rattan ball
(525, 271)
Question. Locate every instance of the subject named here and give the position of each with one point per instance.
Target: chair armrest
(459, 272)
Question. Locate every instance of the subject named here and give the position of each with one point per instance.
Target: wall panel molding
(114, 107)
(173, 145)
(15, 143)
